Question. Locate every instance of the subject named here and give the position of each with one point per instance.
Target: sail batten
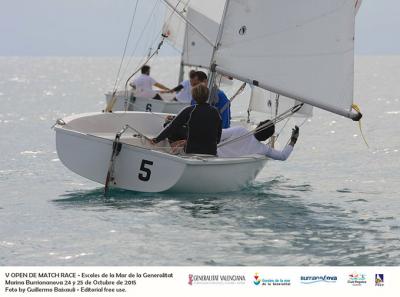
(299, 49)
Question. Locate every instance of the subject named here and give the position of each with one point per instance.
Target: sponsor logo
(357, 279)
(257, 280)
(379, 282)
(216, 279)
(190, 282)
(270, 281)
(318, 279)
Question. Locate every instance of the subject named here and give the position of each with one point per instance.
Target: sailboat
(194, 41)
(303, 50)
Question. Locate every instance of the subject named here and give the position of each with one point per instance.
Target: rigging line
(304, 121)
(126, 45)
(280, 131)
(140, 38)
(190, 24)
(174, 9)
(111, 104)
(278, 119)
(148, 59)
(155, 39)
(263, 127)
(238, 92)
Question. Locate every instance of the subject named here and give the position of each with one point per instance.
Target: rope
(137, 70)
(239, 91)
(280, 131)
(126, 45)
(287, 121)
(149, 58)
(227, 104)
(357, 108)
(278, 119)
(113, 98)
(135, 130)
(140, 38)
(111, 103)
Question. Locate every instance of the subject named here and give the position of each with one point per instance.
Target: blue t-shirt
(225, 113)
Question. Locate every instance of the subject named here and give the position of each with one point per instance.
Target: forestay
(300, 49)
(174, 26)
(205, 16)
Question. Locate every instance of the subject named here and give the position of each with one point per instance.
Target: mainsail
(265, 101)
(300, 49)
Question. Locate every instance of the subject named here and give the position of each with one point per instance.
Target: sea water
(334, 202)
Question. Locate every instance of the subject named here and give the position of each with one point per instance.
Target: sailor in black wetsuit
(203, 125)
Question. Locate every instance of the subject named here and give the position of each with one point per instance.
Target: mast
(181, 72)
(212, 72)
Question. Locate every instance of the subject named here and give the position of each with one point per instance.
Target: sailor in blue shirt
(221, 103)
(224, 107)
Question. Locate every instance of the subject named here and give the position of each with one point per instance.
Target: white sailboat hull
(84, 145)
(144, 104)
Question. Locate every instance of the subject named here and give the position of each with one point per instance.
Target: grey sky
(99, 27)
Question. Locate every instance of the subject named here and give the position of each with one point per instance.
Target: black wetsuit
(203, 129)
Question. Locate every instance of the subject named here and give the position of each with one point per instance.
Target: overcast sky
(99, 27)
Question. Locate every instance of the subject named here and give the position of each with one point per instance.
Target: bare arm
(177, 122)
(160, 86)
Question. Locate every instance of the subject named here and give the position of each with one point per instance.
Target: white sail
(213, 9)
(265, 102)
(175, 26)
(300, 49)
(196, 50)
